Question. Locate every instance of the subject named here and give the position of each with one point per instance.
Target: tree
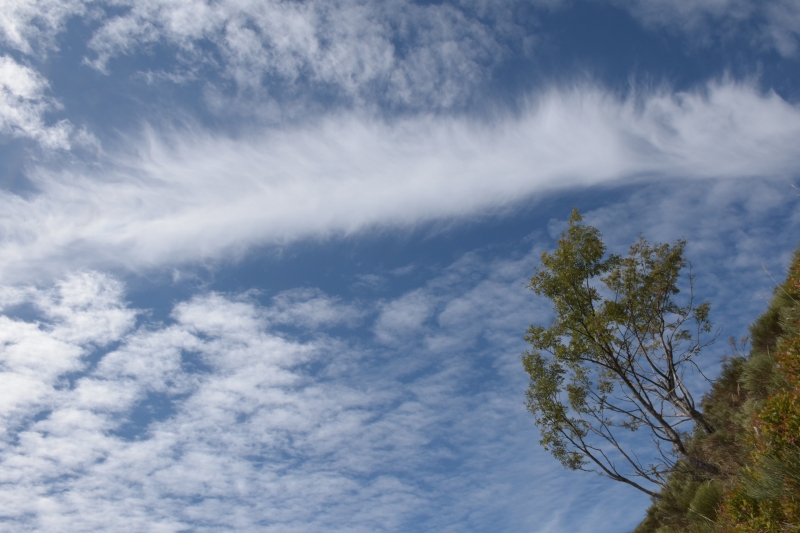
(614, 361)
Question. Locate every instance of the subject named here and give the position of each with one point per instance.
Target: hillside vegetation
(754, 405)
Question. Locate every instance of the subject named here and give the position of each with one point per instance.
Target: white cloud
(312, 309)
(82, 312)
(771, 23)
(784, 26)
(353, 47)
(23, 105)
(199, 196)
(403, 317)
(689, 12)
(250, 441)
(31, 26)
(396, 53)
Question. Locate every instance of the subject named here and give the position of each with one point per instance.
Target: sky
(263, 263)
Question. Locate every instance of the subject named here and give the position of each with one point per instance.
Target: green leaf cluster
(614, 358)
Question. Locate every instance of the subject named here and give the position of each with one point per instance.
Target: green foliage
(778, 322)
(706, 500)
(613, 360)
(755, 406)
(686, 504)
(766, 497)
(781, 318)
(760, 376)
(618, 345)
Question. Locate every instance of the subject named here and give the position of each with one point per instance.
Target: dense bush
(755, 406)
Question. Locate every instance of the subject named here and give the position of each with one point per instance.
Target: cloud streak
(197, 196)
(772, 24)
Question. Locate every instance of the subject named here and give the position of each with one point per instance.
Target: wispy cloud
(24, 104)
(771, 23)
(197, 196)
(398, 52)
(32, 26)
(312, 309)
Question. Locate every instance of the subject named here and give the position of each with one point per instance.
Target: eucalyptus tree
(614, 362)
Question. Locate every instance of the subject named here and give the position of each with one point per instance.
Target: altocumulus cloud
(23, 104)
(237, 413)
(349, 46)
(419, 56)
(243, 429)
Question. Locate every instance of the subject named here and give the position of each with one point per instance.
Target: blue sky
(262, 263)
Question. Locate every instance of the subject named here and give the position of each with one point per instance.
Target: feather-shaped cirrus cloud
(194, 195)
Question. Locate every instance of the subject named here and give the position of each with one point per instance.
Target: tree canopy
(615, 359)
